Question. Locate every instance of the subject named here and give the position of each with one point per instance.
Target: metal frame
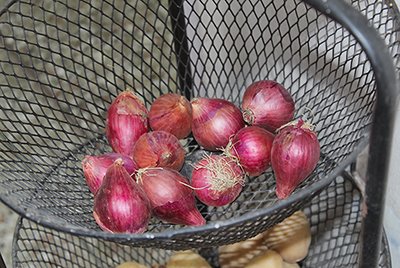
(181, 47)
(383, 121)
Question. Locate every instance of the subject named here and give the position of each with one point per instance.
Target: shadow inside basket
(63, 201)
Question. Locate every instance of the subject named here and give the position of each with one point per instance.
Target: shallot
(126, 122)
(217, 180)
(159, 149)
(295, 154)
(291, 238)
(171, 198)
(186, 259)
(95, 168)
(171, 113)
(267, 104)
(120, 205)
(252, 147)
(268, 259)
(214, 122)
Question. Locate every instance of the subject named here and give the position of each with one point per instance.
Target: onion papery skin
(295, 154)
(159, 149)
(217, 180)
(171, 198)
(267, 104)
(252, 147)
(127, 120)
(214, 122)
(171, 113)
(95, 168)
(120, 205)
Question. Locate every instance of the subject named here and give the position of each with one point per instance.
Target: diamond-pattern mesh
(334, 216)
(62, 63)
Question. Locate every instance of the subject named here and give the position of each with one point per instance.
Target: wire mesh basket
(334, 215)
(63, 62)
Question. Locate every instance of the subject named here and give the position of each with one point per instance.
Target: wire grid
(334, 215)
(62, 63)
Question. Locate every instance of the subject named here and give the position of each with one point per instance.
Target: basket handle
(382, 125)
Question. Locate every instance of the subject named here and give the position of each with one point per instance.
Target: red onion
(159, 149)
(252, 147)
(95, 168)
(267, 104)
(295, 154)
(126, 122)
(170, 195)
(217, 180)
(120, 205)
(171, 113)
(214, 122)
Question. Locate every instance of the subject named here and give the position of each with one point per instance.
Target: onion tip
(248, 116)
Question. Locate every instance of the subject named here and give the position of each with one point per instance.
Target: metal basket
(63, 62)
(334, 215)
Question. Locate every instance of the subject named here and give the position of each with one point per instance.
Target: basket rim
(310, 191)
(384, 251)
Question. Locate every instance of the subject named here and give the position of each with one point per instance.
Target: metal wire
(62, 63)
(334, 215)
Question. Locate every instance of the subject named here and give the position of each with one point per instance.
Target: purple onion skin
(295, 154)
(267, 104)
(171, 113)
(214, 122)
(120, 205)
(126, 122)
(252, 146)
(217, 167)
(180, 212)
(159, 149)
(171, 198)
(95, 168)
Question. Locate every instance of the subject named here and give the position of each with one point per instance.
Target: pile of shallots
(141, 178)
